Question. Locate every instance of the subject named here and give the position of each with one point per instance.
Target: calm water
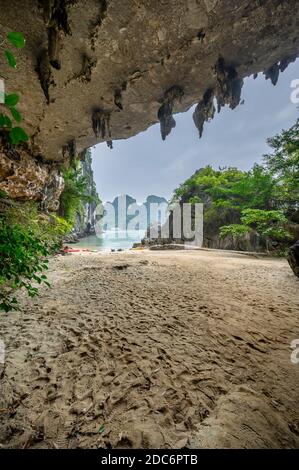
(111, 240)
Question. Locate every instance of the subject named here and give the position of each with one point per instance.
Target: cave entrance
(145, 166)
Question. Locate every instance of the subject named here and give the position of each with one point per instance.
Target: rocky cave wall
(86, 219)
(100, 70)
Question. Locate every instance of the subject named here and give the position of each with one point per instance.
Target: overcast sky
(144, 164)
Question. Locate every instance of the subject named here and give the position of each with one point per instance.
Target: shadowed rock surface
(101, 70)
(293, 258)
(25, 177)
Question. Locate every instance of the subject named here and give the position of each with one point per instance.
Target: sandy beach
(153, 350)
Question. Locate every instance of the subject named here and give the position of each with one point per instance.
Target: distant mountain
(122, 203)
(155, 212)
(154, 216)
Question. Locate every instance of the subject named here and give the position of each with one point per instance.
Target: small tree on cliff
(283, 164)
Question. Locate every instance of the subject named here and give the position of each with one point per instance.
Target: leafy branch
(16, 134)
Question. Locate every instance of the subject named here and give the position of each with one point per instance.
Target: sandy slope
(154, 350)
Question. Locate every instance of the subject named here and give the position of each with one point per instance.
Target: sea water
(111, 240)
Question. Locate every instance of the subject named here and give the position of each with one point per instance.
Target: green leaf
(11, 100)
(16, 115)
(16, 39)
(5, 307)
(5, 121)
(17, 135)
(10, 59)
(101, 429)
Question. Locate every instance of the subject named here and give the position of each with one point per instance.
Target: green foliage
(20, 263)
(270, 224)
(75, 193)
(254, 189)
(11, 100)
(228, 187)
(16, 39)
(259, 218)
(16, 115)
(5, 121)
(11, 60)
(3, 194)
(283, 164)
(16, 135)
(195, 200)
(235, 230)
(264, 199)
(27, 239)
(226, 192)
(59, 227)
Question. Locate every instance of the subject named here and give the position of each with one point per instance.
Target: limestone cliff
(86, 219)
(25, 177)
(99, 70)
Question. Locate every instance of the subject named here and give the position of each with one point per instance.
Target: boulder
(293, 258)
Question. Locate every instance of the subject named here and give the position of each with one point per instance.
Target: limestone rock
(25, 178)
(293, 258)
(100, 70)
(86, 219)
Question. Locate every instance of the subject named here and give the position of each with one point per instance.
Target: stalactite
(272, 74)
(165, 113)
(229, 85)
(227, 92)
(204, 111)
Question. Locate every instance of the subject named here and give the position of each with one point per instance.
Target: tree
(283, 164)
(237, 231)
(264, 199)
(269, 224)
(254, 189)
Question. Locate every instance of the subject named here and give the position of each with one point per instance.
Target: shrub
(237, 231)
(268, 224)
(27, 239)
